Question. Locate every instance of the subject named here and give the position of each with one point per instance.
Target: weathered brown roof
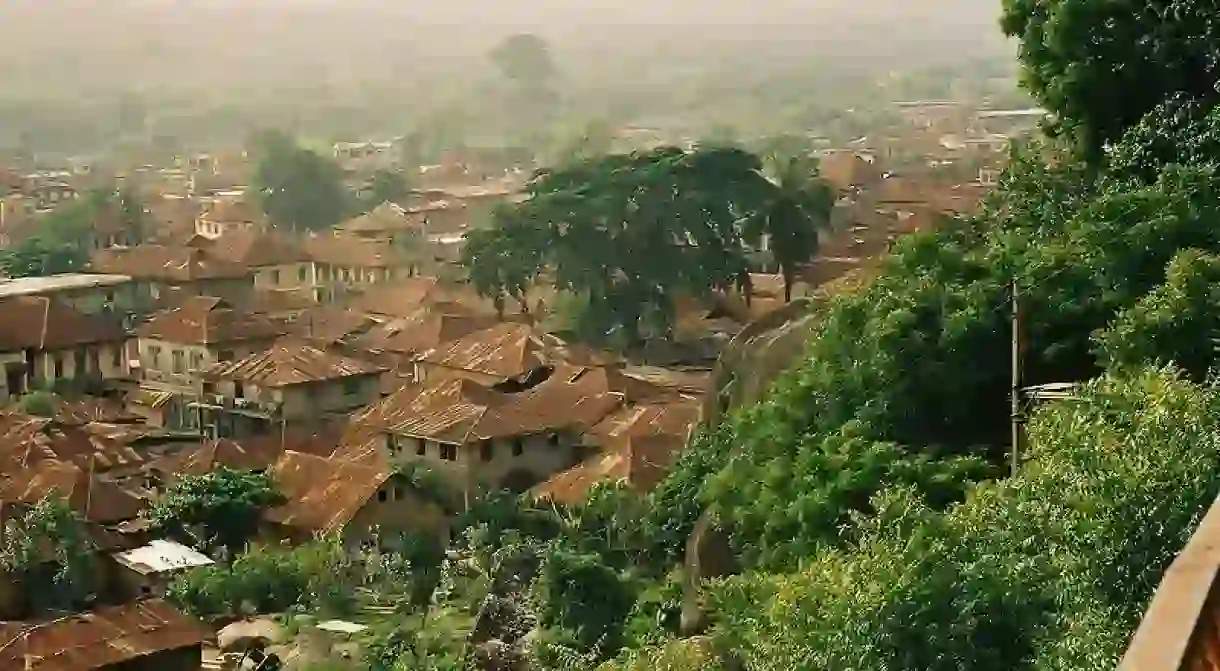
(93, 498)
(327, 323)
(459, 411)
(100, 639)
(26, 441)
(387, 217)
(322, 495)
(42, 323)
(214, 454)
(168, 264)
(660, 419)
(256, 249)
(350, 251)
(504, 350)
(277, 303)
(400, 299)
(234, 212)
(290, 362)
(86, 409)
(205, 320)
(422, 332)
(639, 462)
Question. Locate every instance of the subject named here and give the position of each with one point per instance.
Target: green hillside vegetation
(866, 496)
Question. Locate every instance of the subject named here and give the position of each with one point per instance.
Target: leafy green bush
(582, 596)
(317, 576)
(1178, 322)
(1050, 570)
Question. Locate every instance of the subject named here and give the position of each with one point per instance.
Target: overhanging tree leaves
(1101, 65)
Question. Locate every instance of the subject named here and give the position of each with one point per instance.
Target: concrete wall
(497, 462)
(394, 510)
(103, 361)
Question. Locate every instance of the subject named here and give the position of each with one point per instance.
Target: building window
(239, 390)
(154, 357)
(398, 493)
(554, 438)
(394, 444)
(224, 355)
(351, 386)
(179, 362)
(196, 360)
(302, 273)
(518, 447)
(421, 447)
(118, 357)
(449, 452)
(487, 451)
(382, 496)
(57, 362)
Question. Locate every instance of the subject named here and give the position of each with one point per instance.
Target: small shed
(147, 570)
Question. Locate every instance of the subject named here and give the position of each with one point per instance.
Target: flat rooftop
(34, 286)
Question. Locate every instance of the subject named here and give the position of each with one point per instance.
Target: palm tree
(797, 210)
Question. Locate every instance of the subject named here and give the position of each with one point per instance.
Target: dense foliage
(318, 576)
(46, 550)
(1101, 65)
(633, 233)
(1049, 570)
(219, 509)
(298, 188)
(61, 240)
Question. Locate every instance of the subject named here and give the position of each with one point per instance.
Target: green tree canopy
(296, 187)
(217, 509)
(525, 59)
(60, 244)
(1101, 65)
(634, 232)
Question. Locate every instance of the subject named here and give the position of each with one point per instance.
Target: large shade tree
(1100, 65)
(632, 233)
(297, 187)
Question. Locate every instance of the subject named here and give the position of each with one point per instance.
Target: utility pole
(1017, 417)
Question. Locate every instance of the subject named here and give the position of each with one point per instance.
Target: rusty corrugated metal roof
(322, 495)
(99, 639)
(207, 320)
(288, 363)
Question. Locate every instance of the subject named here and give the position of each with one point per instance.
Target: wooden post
(1017, 417)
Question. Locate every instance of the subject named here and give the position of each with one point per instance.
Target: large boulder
(771, 345)
(708, 555)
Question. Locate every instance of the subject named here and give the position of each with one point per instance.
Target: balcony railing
(1181, 628)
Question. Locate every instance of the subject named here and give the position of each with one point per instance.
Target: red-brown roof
(386, 217)
(638, 421)
(100, 639)
(290, 363)
(234, 212)
(459, 411)
(423, 332)
(641, 463)
(342, 250)
(205, 320)
(400, 299)
(259, 248)
(504, 350)
(164, 263)
(322, 495)
(27, 441)
(42, 323)
(94, 499)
